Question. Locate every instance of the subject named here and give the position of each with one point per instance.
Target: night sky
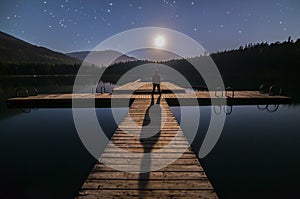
(73, 25)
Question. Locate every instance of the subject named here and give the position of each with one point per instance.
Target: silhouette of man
(156, 82)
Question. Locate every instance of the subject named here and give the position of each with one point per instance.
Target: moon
(159, 41)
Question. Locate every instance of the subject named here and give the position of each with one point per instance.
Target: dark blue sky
(73, 25)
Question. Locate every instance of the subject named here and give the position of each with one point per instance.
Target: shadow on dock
(149, 136)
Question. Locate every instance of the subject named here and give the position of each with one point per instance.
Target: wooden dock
(141, 90)
(116, 176)
(146, 88)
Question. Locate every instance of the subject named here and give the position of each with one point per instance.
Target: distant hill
(102, 57)
(14, 50)
(153, 54)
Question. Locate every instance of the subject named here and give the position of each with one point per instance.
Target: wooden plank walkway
(146, 88)
(104, 100)
(143, 90)
(183, 178)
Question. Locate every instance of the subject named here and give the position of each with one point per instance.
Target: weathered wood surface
(176, 98)
(116, 176)
(146, 88)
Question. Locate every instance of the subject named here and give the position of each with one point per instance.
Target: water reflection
(268, 107)
(257, 153)
(218, 109)
(42, 155)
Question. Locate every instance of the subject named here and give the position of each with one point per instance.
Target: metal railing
(26, 92)
(274, 89)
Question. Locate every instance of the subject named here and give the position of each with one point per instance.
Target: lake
(255, 156)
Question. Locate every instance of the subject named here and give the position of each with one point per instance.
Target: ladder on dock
(115, 174)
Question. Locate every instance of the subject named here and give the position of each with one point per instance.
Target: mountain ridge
(105, 57)
(15, 50)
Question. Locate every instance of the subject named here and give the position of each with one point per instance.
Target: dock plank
(91, 194)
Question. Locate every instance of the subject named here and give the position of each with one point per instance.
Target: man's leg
(153, 88)
(158, 88)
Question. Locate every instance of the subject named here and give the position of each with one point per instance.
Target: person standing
(156, 82)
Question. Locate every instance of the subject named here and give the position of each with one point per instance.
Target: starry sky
(76, 25)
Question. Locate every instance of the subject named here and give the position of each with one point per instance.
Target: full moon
(160, 41)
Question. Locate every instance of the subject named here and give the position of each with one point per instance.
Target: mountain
(14, 50)
(101, 58)
(110, 57)
(153, 54)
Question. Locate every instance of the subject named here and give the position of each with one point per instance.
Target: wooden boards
(185, 99)
(175, 170)
(146, 88)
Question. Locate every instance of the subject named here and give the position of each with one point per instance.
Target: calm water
(256, 156)
(42, 155)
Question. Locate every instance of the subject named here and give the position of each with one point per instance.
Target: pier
(184, 177)
(141, 90)
(172, 170)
